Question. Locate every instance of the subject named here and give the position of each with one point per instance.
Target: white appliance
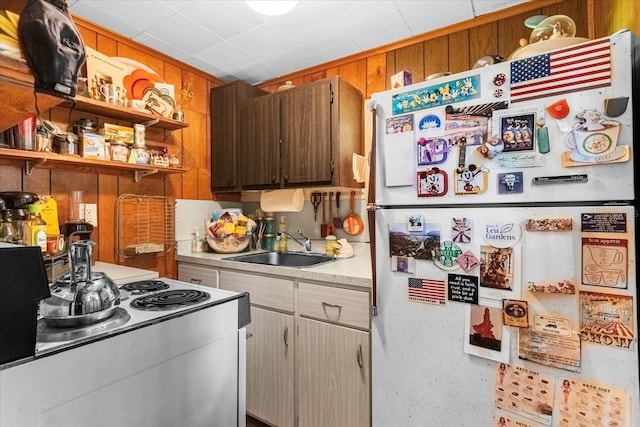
(172, 354)
(505, 258)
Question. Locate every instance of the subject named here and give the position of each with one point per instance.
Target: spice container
(330, 245)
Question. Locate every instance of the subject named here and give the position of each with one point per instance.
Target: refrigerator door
(476, 137)
(436, 352)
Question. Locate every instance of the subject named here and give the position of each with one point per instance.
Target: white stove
(180, 345)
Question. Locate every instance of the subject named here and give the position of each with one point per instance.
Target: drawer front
(198, 275)
(265, 291)
(343, 306)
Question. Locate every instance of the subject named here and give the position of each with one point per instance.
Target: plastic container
(35, 229)
(119, 151)
(282, 241)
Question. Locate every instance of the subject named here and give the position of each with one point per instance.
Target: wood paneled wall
(454, 48)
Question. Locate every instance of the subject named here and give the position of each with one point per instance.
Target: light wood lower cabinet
(333, 375)
(198, 275)
(270, 367)
(308, 351)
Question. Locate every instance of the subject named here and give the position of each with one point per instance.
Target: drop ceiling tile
(215, 17)
(486, 6)
(391, 27)
(162, 46)
(256, 73)
(227, 56)
(331, 48)
(137, 14)
(184, 33)
(207, 67)
(423, 17)
(263, 42)
(91, 14)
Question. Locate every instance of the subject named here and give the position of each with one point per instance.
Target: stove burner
(144, 286)
(169, 300)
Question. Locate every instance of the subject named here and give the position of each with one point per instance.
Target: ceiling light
(272, 8)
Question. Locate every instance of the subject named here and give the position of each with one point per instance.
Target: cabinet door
(225, 118)
(333, 375)
(260, 141)
(270, 372)
(306, 135)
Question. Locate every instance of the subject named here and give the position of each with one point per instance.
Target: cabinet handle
(196, 281)
(286, 178)
(286, 336)
(326, 304)
(359, 356)
(249, 335)
(273, 178)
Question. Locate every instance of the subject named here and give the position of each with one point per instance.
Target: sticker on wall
(463, 288)
(431, 151)
(432, 183)
(604, 262)
(457, 90)
(502, 234)
(461, 230)
(429, 122)
(510, 183)
(428, 291)
(447, 254)
(421, 245)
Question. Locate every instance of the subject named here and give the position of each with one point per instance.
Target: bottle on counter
(197, 244)
(8, 233)
(330, 245)
(282, 228)
(35, 229)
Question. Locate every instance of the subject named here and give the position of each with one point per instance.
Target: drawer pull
(286, 336)
(326, 304)
(196, 281)
(249, 335)
(359, 356)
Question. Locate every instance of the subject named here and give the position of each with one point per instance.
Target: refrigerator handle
(371, 212)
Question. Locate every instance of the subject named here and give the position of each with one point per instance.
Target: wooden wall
(454, 49)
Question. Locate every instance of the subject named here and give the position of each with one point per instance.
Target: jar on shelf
(139, 135)
(119, 151)
(139, 155)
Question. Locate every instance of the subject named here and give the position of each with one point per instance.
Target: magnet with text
(515, 313)
(461, 230)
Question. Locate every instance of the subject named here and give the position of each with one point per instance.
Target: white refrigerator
(505, 277)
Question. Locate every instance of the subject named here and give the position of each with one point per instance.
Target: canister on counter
(330, 245)
(269, 242)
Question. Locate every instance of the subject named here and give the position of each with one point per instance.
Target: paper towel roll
(282, 200)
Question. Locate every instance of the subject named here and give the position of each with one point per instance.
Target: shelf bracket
(30, 165)
(150, 122)
(141, 174)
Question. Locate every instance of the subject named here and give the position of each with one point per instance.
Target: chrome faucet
(306, 244)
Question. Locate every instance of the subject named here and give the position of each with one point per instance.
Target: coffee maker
(17, 202)
(76, 228)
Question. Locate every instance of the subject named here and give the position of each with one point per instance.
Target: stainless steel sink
(288, 259)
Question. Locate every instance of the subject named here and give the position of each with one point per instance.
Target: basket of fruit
(230, 233)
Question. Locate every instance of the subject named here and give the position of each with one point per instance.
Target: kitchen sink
(287, 259)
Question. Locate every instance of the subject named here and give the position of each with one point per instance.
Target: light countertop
(355, 271)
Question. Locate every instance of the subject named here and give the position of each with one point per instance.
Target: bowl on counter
(229, 244)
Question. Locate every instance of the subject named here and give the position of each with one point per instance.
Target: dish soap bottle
(282, 228)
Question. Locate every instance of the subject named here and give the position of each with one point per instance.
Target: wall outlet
(91, 213)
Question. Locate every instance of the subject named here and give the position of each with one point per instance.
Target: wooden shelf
(16, 93)
(92, 106)
(34, 159)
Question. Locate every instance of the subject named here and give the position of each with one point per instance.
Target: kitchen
(370, 73)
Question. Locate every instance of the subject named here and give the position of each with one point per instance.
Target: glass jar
(119, 151)
(139, 135)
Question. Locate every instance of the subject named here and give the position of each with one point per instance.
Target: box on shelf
(403, 78)
(117, 132)
(93, 146)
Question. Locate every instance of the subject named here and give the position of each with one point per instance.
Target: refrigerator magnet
(431, 151)
(446, 255)
(510, 183)
(414, 222)
(502, 234)
(468, 261)
(471, 179)
(429, 122)
(432, 183)
(461, 230)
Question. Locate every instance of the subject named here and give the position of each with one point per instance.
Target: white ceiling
(232, 42)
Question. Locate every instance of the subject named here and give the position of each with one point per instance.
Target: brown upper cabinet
(226, 160)
(305, 136)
